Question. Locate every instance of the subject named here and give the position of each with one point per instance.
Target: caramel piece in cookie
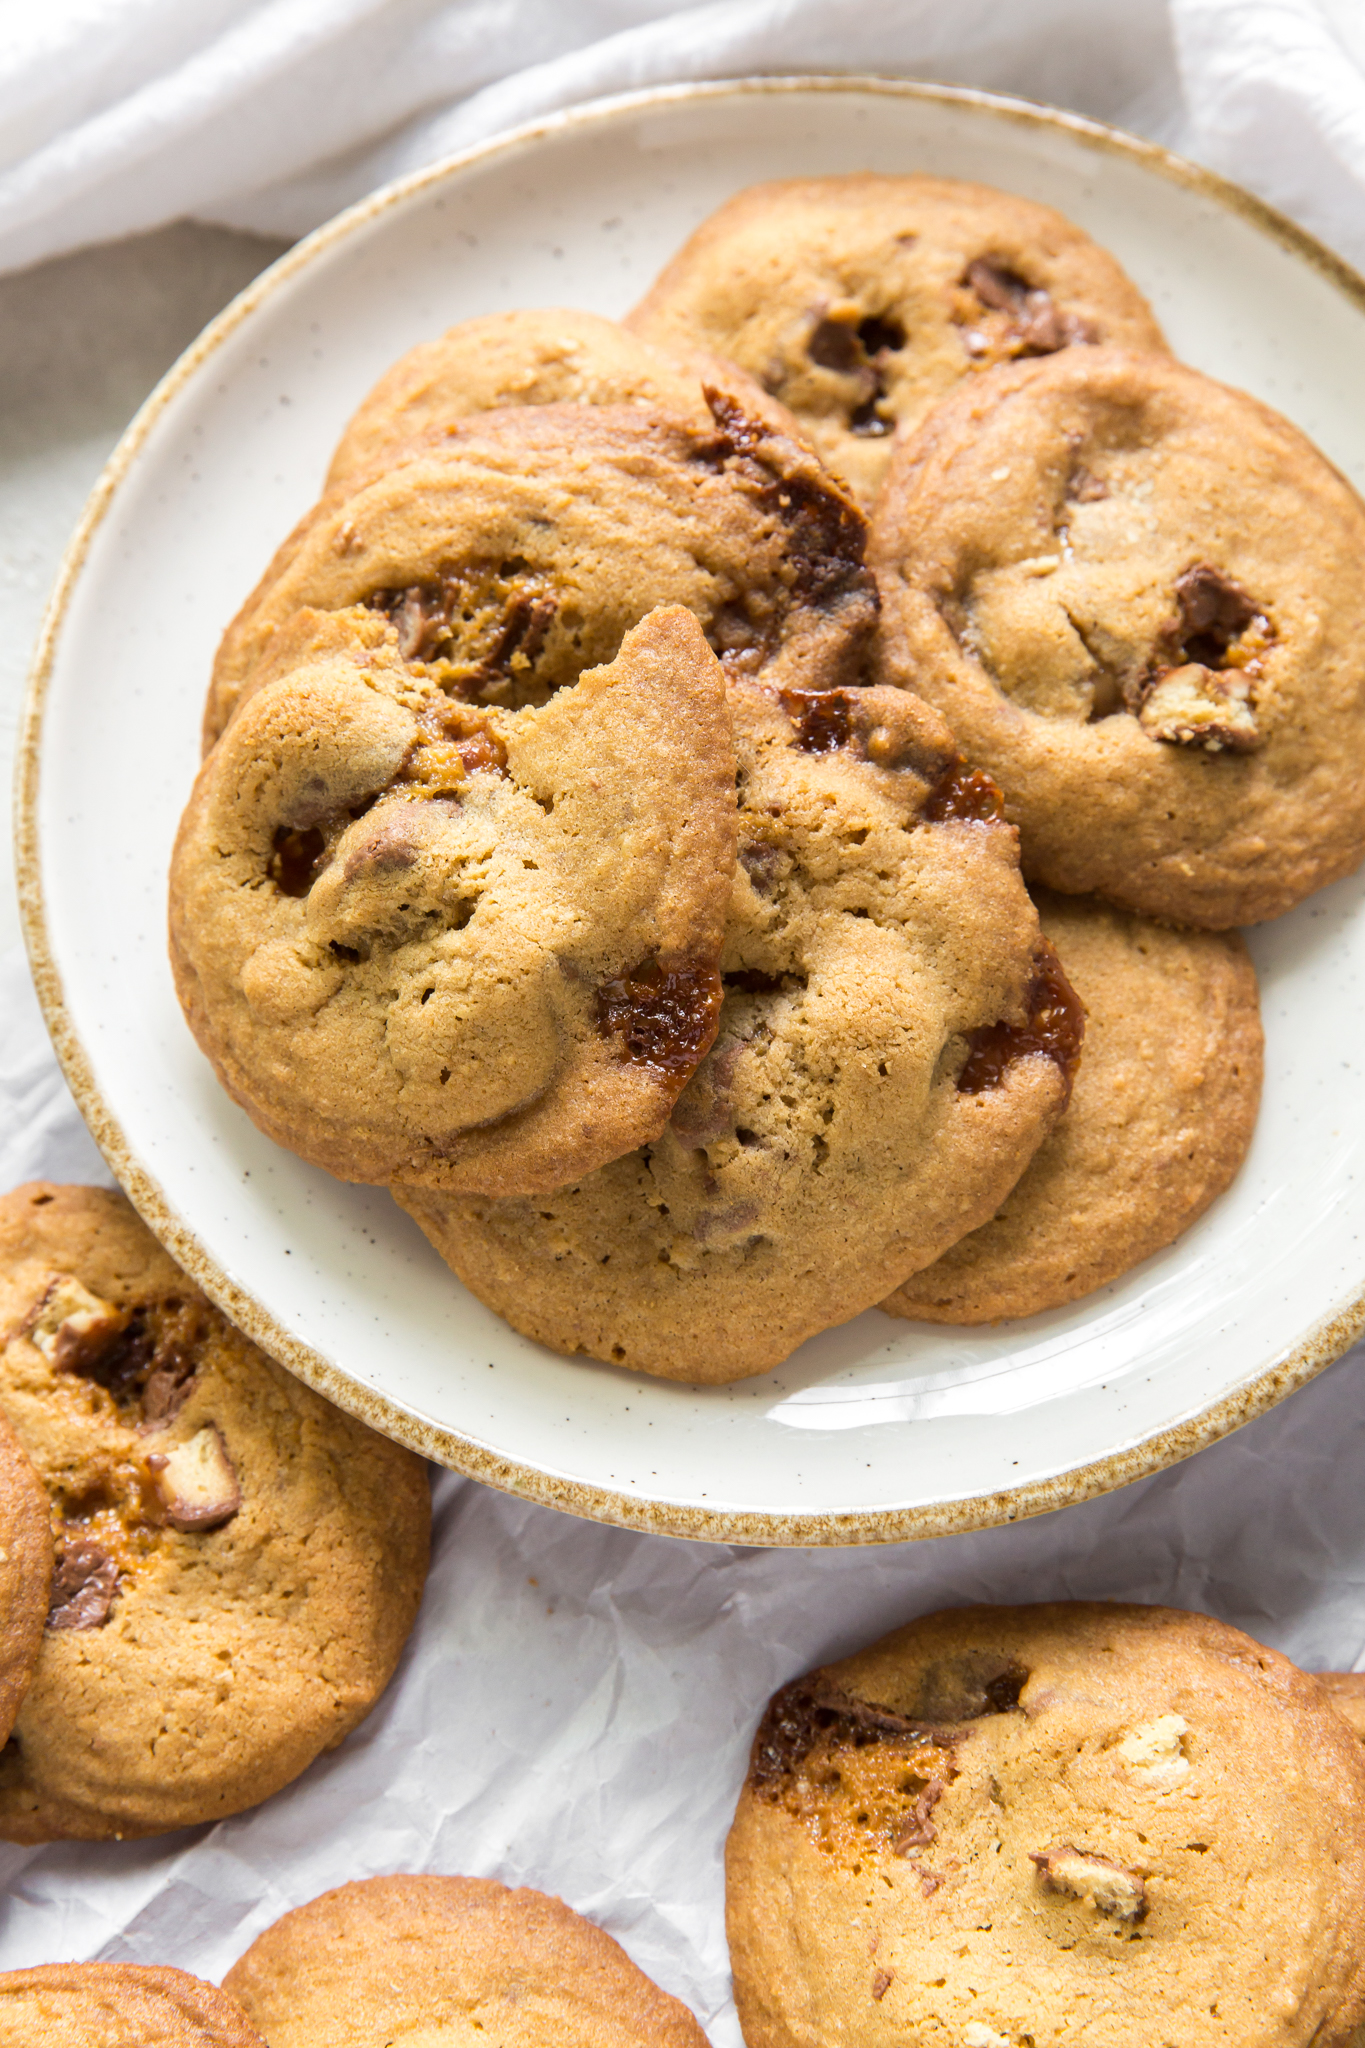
(521, 550)
(1159, 1123)
(1134, 595)
(1049, 1824)
(238, 1563)
(462, 948)
(859, 301)
(894, 1045)
(535, 356)
(25, 1573)
(118, 2005)
(436, 1959)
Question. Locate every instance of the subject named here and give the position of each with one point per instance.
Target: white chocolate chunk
(197, 1482)
(978, 2035)
(1155, 1752)
(69, 1320)
(1096, 1880)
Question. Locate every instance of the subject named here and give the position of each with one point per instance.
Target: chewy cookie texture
(238, 1564)
(449, 1959)
(118, 2005)
(1004, 1826)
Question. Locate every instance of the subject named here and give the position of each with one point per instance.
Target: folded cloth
(119, 115)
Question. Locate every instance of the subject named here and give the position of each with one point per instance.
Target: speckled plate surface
(875, 1431)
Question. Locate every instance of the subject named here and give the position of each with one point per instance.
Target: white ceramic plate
(879, 1429)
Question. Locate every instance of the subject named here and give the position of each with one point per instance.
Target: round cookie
(534, 356)
(859, 301)
(466, 948)
(893, 1047)
(1004, 1826)
(449, 1959)
(1133, 593)
(1158, 1124)
(117, 2005)
(519, 549)
(25, 1573)
(238, 1563)
(1346, 1691)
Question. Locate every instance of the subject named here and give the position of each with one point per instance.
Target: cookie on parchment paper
(1134, 595)
(1003, 1826)
(238, 1563)
(1157, 1127)
(118, 2005)
(460, 946)
(895, 1043)
(859, 301)
(395, 1959)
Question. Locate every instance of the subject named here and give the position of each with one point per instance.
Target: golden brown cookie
(1346, 1691)
(1158, 1123)
(117, 2005)
(238, 1563)
(1133, 593)
(25, 1573)
(449, 1959)
(1042, 1825)
(534, 356)
(520, 549)
(893, 1047)
(465, 948)
(859, 301)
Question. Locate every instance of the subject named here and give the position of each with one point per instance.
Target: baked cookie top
(522, 545)
(1158, 1124)
(117, 2005)
(238, 1563)
(463, 947)
(25, 1573)
(1134, 595)
(554, 355)
(859, 301)
(894, 1045)
(450, 1959)
(1346, 1691)
(1042, 1824)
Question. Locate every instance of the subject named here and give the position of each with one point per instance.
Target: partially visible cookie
(1346, 1690)
(25, 1573)
(1134, 595)
(118, 2005)
(238, 1563)
(894, 1045)
(859, 301)
(1158, 1124)
(553, 355)
(437, 1959)
(459, 947)
(1042, 1825)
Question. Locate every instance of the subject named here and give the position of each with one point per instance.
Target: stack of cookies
(670, 807)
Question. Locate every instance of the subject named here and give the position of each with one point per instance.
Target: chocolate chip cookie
(451, 1959)
(1158, 1124)
(238, 1563)
(534, 356)
(118, 2005)
(521, 550)
(1134, 595)
(1004, 1826)
(461, 946)
(859, 301)
(25, 1573)
(895, 1043)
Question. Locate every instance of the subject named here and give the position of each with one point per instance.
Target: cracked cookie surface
(1043, 1824)
(858, 302)
(449, 1959)
(457, 945)
(238, 1563)
(1158, 1124)
(118, 2005)
(892, 1049)
(1133, 594)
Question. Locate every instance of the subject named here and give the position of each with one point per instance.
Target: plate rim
(1325, 1342)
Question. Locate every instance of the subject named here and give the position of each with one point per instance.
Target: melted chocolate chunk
(859, 351)
(152, 1360)
(881, 333)
(826, 533)
(967, 795)
(836, 345)
(1214, 611)
(506, 606)
(1035, 325)
(806, 1714)
(664, 1018)
(84, 1584)
(297, 856)
(1055, 1027)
